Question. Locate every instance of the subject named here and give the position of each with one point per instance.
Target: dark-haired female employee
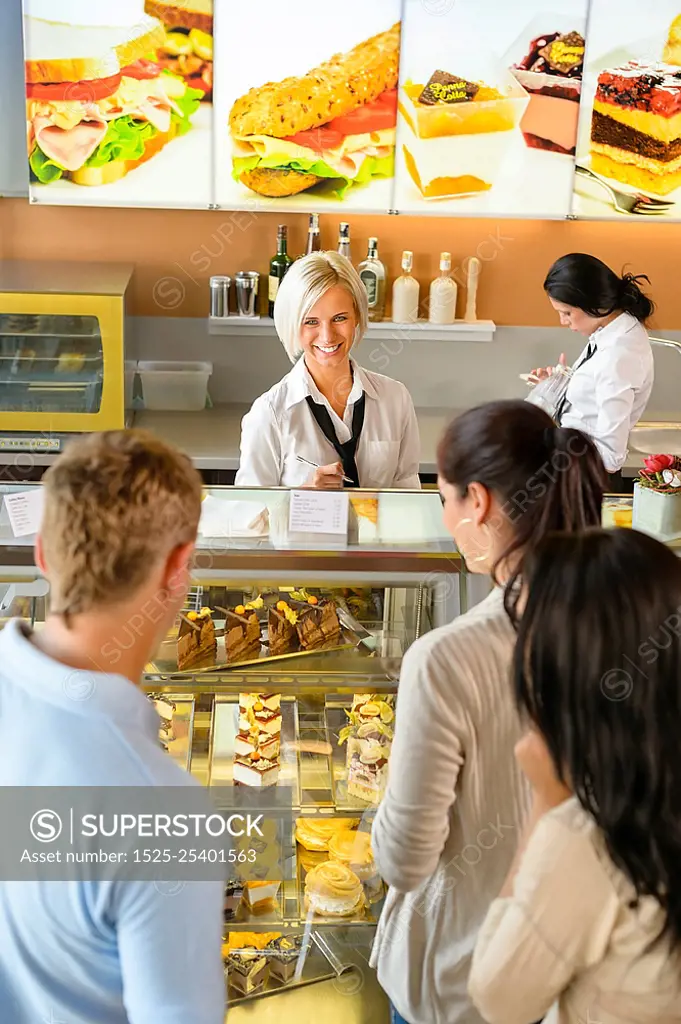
(587, 926)
(613, 377)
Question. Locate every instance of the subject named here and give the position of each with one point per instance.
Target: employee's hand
(327, 478)
(542, 372)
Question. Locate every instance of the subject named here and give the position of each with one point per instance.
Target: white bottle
(406, 293)
(442, 305)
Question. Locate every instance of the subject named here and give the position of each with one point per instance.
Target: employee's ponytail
(589, 284)
(632, 299)
(545, 478)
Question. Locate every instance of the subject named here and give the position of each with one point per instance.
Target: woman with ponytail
(445, 834)
(587, 926)
(613, 377)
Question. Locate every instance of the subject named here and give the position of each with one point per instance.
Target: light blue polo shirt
(107, 952)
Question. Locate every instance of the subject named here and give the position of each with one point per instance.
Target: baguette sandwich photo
(187, 49)
(337, 123)
(97, 105)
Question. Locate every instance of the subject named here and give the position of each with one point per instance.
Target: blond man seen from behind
(120, 521)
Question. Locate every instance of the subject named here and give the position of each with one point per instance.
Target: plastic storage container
(174, 386)
(130, 372)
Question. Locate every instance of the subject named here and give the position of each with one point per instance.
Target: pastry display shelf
(385, 330)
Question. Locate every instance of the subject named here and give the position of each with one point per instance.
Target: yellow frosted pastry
(314, 834)
(333, 890)
(354, 850)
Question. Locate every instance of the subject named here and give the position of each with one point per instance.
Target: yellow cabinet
(62, 351)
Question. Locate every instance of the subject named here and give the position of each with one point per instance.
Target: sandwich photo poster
(630, 121)
(119, 102)
(488, 107)
(305, 109)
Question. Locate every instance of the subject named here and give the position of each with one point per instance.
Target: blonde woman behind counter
(328, 410)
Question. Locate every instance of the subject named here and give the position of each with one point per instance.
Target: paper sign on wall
(25, 511)
(318, 512)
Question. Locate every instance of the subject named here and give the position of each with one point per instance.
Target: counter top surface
(212, 436)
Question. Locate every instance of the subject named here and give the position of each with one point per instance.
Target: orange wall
(176, 251)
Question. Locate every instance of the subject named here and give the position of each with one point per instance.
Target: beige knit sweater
(446, 832)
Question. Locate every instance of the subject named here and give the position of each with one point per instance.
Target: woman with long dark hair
(446, 831)
(613, 377)
(589, 920)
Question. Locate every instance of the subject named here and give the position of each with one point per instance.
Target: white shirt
(280, 426)
(607, 395)
(446, 832)
(568, 946)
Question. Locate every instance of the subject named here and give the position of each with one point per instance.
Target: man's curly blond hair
(116, 503)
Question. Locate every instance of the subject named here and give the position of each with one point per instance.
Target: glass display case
(317, 672)
(62, 367)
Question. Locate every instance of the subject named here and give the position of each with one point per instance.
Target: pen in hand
(315, 466)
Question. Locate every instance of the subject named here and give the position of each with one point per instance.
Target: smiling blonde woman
(357, 427)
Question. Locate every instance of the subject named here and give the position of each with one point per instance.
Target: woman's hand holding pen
(327, 478)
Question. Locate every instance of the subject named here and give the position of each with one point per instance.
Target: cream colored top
(567, 945)
(446, 833)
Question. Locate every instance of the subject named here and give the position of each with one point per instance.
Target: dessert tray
(165, 662)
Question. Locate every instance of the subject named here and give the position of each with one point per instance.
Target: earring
(483, 558)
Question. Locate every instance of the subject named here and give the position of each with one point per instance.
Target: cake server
(348, 620)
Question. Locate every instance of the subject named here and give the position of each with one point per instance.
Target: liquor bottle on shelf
(406, 293)
(344, 240)
(279, 264)
(314, 242)
(372, 274)
(442, 304)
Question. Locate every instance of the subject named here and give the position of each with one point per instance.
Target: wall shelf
(263, 327)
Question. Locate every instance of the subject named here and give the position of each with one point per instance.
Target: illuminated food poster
(305, 105)
(630, 124)
(488, 107)
(118, 99)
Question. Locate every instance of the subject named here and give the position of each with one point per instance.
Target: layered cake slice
(196, 642)
(318, 625)
(254, 737)
(551, 71)
(636, 126)
(281, 629)
(247, 970)
(284, 953)
(255, 770)
(369, 736)
(242, 633)
(263, 712)
(166, 710)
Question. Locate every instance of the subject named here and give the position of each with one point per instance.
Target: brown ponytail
(547, 479)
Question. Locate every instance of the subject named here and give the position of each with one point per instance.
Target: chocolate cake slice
(318, 625)
(196, 642)
(242, 633)
(281, 629)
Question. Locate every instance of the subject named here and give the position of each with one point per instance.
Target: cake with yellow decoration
(318, 625)
(282, 634)
(196, 642)
(242, 631)
(369, 735)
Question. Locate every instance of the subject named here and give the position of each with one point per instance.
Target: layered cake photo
(458, 131)
(636, 126)
(551, 72)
